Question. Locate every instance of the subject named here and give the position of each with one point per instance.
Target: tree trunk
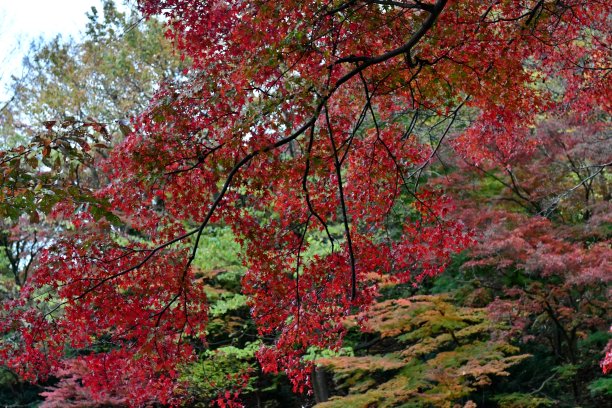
(319, 384)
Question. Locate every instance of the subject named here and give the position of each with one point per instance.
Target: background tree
(66, 111)
(542, 261)
(108, 77)
(427, 352)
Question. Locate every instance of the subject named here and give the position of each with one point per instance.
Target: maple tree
(292, 120)
(427, 353)
(70, 392)
(52, 143)
(542, 258)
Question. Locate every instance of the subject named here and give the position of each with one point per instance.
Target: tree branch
(347, 231)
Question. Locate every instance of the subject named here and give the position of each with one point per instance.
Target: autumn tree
(426, 352)
(294, 118)
(66, 109)
(65, 113)
(542, 256)
(108, 76)
(70, 88)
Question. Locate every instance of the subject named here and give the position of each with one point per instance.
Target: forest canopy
(342, 203)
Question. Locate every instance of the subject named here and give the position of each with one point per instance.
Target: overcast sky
(23, 21)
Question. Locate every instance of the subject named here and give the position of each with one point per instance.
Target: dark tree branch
(347, 231)
(370, 61)
(306, 192)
